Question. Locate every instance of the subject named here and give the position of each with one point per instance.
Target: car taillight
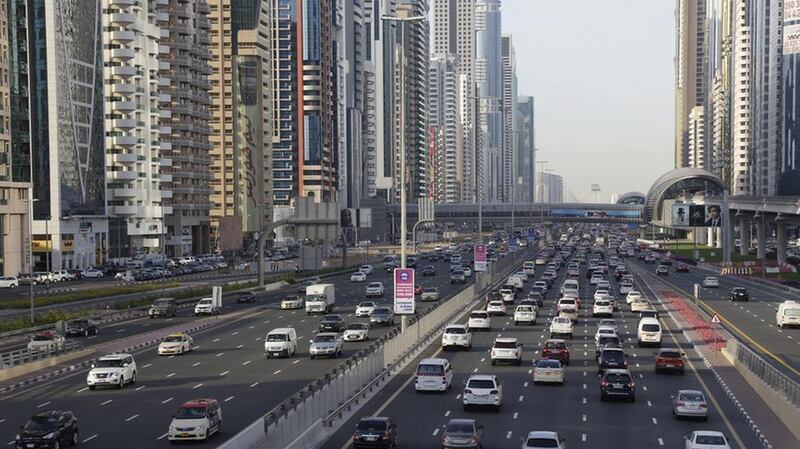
(355, 436)
(493, 392)
(467, 391)
(604, 383)
(703, 406)
(631, 384)
(680, 404)
(385, 436)
(444, 380)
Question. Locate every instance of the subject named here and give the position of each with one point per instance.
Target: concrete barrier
(20, 370)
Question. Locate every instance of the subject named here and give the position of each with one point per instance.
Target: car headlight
(50, 436)
(17, 437)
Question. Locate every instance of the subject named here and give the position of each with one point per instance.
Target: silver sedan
(690, 404)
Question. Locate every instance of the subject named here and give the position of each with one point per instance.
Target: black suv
(81, 328)
(375, 432)
(429, 270)
(611, 358)
(617, 383)
(739, 294)
(62, 425)
(332, 323)
(244, 297)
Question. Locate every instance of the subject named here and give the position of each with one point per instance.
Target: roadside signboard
(480, 257)
(404, 291)
(531, 234)
(715, 319)
(512, 244)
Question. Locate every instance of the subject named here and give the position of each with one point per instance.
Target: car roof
(198, 403)
(176, 334)
(555, 340)
(710, 433)
(612, 349)
(459, 326)
(282, 329)
(649, 320)
(114, 356)
(691, 392)
(482, 377)
(327, 334)
(543, 434)
(505, 340)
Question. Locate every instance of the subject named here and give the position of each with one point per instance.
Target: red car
(417, 290)
(556, 349)
(669, 360)
(682, 268)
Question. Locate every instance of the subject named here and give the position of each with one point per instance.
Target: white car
(92, 273)
(595, 279)
(507, 295)
(608, 323)
(467, 271)
(429, 294)
(603, 285)
(549, 371)
(206, 306)
(325, 344)
(602, 307)
(522, 275)
(706, 439)
(197, 419)
(496, 308)
(374, 289)
(600, 293)
(358, 276)
(625, 288)
(506, 349)
(479, 320)
(113, 370)
(632, 296)
(364, 309)
(640, 304)
(525, 314)
(367, 269)
(293, 302)
(561, 326)
(604, 331)
(544, 440)
(456, 336)
(9, 282)
(710, 282)
(46, 342)
(567, 303)
(483, 390)
(356, 332)
(175, 344)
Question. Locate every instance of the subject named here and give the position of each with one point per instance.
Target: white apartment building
(741, 161)
(697, 138)
(444, 121)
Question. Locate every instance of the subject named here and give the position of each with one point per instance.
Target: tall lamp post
(400, 60)
(30, 202)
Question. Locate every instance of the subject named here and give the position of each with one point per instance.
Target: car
(482, 390)
(197, 419)
(706, 439)
(458, 277)
(525, 313)
(479, 320)
(544, 440)
(207, 306)
(93, 273)
(113, 370)
(682, 268)
(381, 316)
(245, 297)
(603, 341)
(569, 312)
(430, 294)
(662, 270)
(462, 434)
(508, 295)
(175, 344)
(568, 303)
(356, 332)
(611, 358)
(640, 305)
(595, 279)
(358, 276)
(366, 269)
(617, 383)
(374, 289)
(625, 287)
(82, 327)
(429, 270)
(602, 307)
(291, 302)
(561, 326)
(376, 432)
(332, 323)
(548, 371)
(467, 271)
(496, 308)
(325, 344)
(556, 349)
(739, 294)
(710, 282)
(608, 322)
(48, 429)
(166, 307)
(601, 293)
(506, 349)
(418, 290)
(649, 332)
(456, 336)
(689, 404)
(632, 296)
(9, 282)
(46, 342)
(536, 297)
(364, 309)
(670, 360)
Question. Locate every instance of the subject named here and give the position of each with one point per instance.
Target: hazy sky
(601, 73)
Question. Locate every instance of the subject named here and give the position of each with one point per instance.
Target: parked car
(9, 282)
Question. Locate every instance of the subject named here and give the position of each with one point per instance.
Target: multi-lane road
(574, 409)
(228, 364)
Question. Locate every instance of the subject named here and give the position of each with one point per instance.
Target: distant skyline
(602, 76)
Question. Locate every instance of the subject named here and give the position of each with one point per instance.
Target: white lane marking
(583, 437)
(644, 388)
(584, 374)
(235, 333)
(435, 432)
(215, 340)
(197, 386)
(140, 387)
(170, 375)
(79, 391)
(196, 363)
(266, 322)
(121, 330)
(162, 436)
(239, 346)
(257, 338)
(521, 397)
(584, 386)
(86, 440)
(277, 372)
(660, 442)
(583, 418)
(167, 400)
(508, 435)
(251, 327)
(296, 362)
(131, 418)
(649, 404)
(224, 373)
(229, 398)
(43, 404)
(516, 415)
(583, 400)
(147, 366)
(447, 413)
(458, 396)
(107, 402)
(219, 354)
(654, 420)
(253, 384)
(475, 370)
(525, 384)
(483, 360)
(246, 363)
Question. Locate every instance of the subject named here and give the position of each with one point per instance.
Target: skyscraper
(241, 123)
(488, 76)
(697, 138)
(789, 179)
(445, 129)
(690, 78)
(510, 154)
(526, 144)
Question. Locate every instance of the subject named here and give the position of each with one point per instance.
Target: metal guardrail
(327, 397)
(22, 356)
(759, 367)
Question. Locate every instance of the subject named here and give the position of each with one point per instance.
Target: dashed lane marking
(660, 441)
(246, 363)
(162, 436)
(655, 421)
(219, 354)
(224, 373)
(131, 418)
(253, 384)
(167, 400)
(229, 398)
(516, 415)
(79, 391)
(196, 363)
(147, 366)
(86, 440)
(107, 402)
(197, 386)
(139, 388)
(170, 375)
(215, 340)
(43, 404)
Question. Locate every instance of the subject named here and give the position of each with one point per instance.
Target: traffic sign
(512, 244)
(480, 257)
(404, 291)
(715, 319)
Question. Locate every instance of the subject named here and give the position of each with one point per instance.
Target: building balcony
(166, 177)
(123, 88)
(124, 123)
(124, 193)
(165, 162)
(166, 146)
(123, 71)
(165, 114)
(164, 82)
(166, 194)
(165, 130)
(124, 141)
(164, 98)
(121, 3)
(203, 8)
(126, 210)
(123, 106)
(166, 210)
(123, 175)
(122, 36)
(122, 18)
(122, 54)
(122, 158)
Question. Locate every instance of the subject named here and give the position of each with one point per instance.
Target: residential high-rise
(690, 69)
(697, 138)
(789, 179)
(241, 120)
(69, 163)
(510, 154)
(741, 111)
(526, 145)
(453, 32)
(185, 101)
(718, 102)
(550, 187)
(130, 37)
(488, 76)
(444, 123)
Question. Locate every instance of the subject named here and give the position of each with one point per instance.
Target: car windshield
(567, 302)
(670, 354)
(555, 345)
(42, 422)
(546, 363)
(792, 312)
(455, 330)
(190, 413)
(710, 439)
(479, 315)
(331, 319)
(618, 377)
(541, 442)
(42, 338)
(357, 326)
(460, 427)
(495, 304)
(324, 338)
(430, 370)
(111, 363)
(505, 292)
(366, 304)
(651, 327)
(79, 323)
(617, 356)
(374, 285)
(277, 337)
(692, 397)
(431, 290)
(524, 309)
(161, 303)
(172, 339)
(505, 344)
(605, 340)
(380, 311)
(602, 303)
(481, 383)
(371, 425)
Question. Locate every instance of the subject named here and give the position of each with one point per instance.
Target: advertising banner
(697, 215)
(791, 39)
(480, 257)
(512, 244)
(680, 215)
(531, 234)
(404, 291)
(791, 10)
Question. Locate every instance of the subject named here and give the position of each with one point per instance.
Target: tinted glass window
(455, 330)
(541, 442)
(691, 397)
(624, 378)
(480, 383)
(190, 413)
(431, 370)
(324, 338)
(460, 427)
(370, 425)
(505, 345)
(710, 439)
(651, 327)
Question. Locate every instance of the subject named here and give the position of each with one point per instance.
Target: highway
(752, 322)
(574, 410)
(228, 364)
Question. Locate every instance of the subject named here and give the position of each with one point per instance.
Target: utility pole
(30, 202)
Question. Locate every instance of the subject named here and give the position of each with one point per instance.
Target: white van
(434, 374)
(570, 284)
(516, 282)
(649, 332)
(788, 314)
(280, 342)
(529, 267)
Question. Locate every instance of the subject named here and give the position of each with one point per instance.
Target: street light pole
(30, 202)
